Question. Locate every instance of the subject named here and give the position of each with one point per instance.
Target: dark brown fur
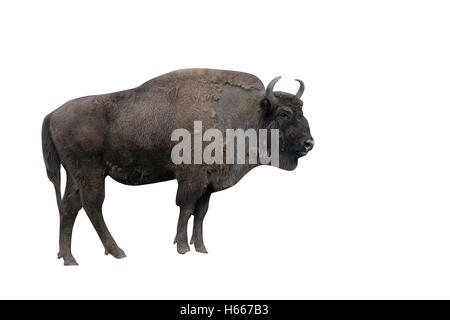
(126, 135)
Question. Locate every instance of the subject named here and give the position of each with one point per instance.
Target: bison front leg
(199, 214)
(188, 193)
(181, 238)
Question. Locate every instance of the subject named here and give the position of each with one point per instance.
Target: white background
(366, 213)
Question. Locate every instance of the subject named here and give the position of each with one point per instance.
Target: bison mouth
(289, 160)
(301, 153)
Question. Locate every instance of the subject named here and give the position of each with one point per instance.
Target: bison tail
(51, 159)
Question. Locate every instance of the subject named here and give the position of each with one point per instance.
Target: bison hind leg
(70, 205)
(90, 178)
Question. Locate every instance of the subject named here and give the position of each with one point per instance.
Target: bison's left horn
(301, 89)
(269, 90)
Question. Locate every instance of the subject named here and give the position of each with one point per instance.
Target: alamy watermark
(239, 146)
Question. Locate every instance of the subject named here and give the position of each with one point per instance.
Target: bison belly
(138, 167)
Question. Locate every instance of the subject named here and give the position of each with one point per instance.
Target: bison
(127, 135)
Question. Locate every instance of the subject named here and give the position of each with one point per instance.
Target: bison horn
(301, 89)
(269, 90)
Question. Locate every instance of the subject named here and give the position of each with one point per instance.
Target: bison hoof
(69, 260)
(116, 252)
(200, 248)
(182, 248)
(199, 245)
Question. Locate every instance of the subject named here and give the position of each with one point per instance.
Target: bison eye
(283, 116)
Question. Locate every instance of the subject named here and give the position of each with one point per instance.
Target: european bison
(127, 135)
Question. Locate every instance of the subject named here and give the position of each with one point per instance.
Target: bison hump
(243, 80)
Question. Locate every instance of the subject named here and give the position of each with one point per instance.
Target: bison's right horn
(269, 90)
(301, 89)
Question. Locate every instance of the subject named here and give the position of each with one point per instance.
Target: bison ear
(266, 106)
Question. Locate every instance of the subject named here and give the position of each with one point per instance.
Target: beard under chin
(288, 161)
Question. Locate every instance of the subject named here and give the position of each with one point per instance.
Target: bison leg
(181, 238)
(199, 214)
(92, 188)
(188, 193)
(71, 204)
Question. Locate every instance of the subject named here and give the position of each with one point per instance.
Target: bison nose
(309, 144)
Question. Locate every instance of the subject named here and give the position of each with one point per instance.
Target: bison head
(283, 111)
